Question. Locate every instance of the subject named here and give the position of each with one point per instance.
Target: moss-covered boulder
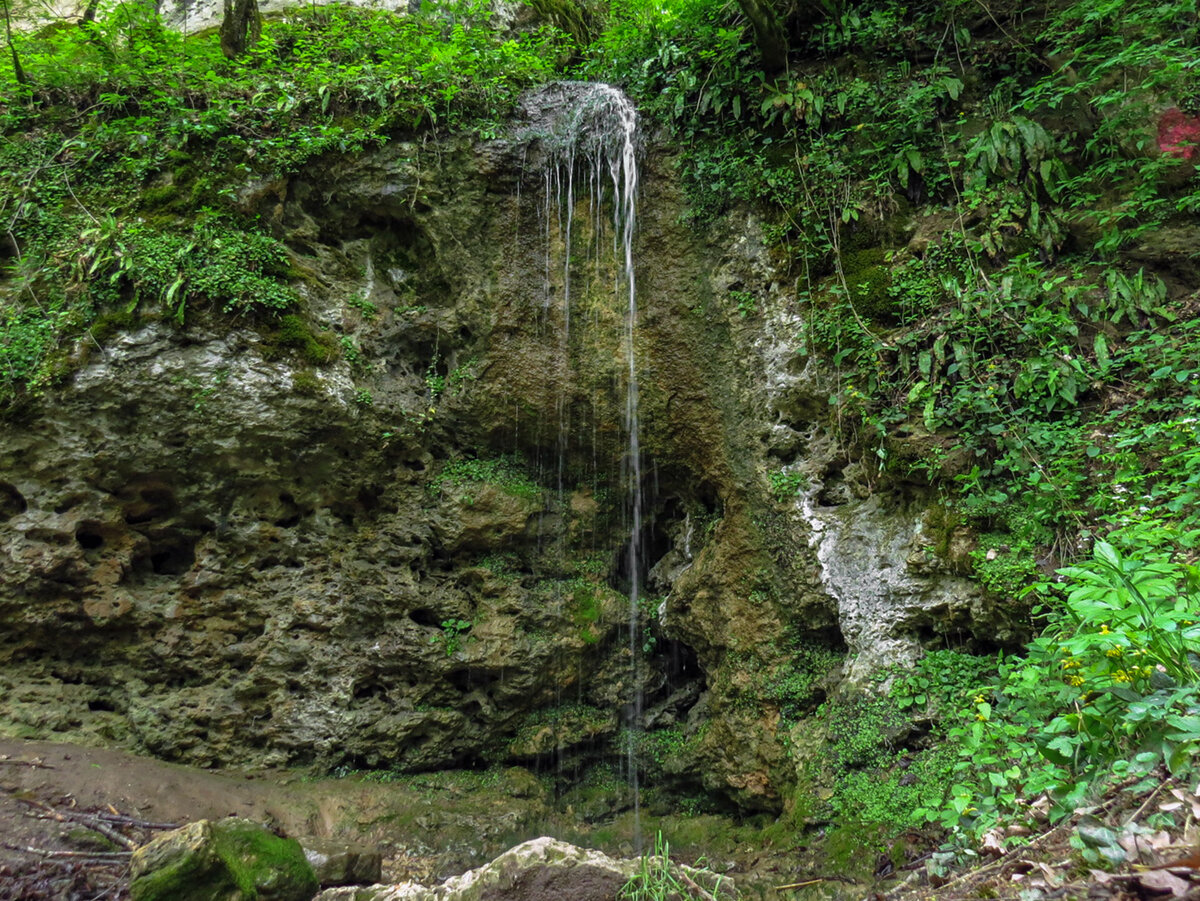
(223, 860)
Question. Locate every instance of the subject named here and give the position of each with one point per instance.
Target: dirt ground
(52, 795)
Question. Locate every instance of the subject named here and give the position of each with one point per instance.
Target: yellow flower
(1113, 652)
(1075, 680)
(978, 699)
(1104, 630)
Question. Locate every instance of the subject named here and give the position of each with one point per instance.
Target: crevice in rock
(424, 617)
(172, 556)
(12, 502)
(89, 536)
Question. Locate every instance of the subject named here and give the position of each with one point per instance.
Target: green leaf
(1100, 346)
(1179, 757)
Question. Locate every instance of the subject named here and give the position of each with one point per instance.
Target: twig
(122, 820)
(33, 763)
(87, 821)
(1150, 797)
(784, 888)
(695, 886)
(111, 856)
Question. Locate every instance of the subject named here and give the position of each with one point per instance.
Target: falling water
(594, 146)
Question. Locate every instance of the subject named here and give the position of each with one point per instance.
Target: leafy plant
(786, 485)
(452, 635)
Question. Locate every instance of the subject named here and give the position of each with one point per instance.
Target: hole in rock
(369, 690)
(101, 704)
(289, 511)
(424, 617)
(12, 501)
(173, 558)
(470, 680)
(88, 538)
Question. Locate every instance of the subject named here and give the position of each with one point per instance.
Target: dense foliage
(124, 145)
(1016, 354)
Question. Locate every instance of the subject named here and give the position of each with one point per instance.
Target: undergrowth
(124, 146)
(971, 217)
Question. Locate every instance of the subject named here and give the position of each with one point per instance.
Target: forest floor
(58, 801)
(1120, 848)
(53, 796)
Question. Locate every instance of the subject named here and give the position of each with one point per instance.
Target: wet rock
(339, 864)
(543, 868)
(231, 858)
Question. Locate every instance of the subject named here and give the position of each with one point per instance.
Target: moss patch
(868, 278)
(295, 334)
(227, 858)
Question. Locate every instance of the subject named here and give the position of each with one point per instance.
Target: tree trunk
(768, 33)
(240, 27)
(18, 72)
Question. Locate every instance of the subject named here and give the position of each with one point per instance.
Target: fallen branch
(33, 763)
(86, 820)
(696, 887)
(122, 820)
(794, 885)
(110, 856)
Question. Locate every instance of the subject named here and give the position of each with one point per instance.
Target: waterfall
(592, 143)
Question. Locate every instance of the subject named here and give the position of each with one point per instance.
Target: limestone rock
(543, 868)
(340, 864)
(223, 860)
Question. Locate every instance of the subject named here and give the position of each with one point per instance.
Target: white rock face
(865, 553)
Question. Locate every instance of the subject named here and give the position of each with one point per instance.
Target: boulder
(543, 868)
(222, 860)
(341, 864)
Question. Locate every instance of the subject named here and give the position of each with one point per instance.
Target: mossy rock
(232, 859)
(295, 334)
(869, 278)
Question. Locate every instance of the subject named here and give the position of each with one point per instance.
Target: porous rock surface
(543, 868)
(220, 552)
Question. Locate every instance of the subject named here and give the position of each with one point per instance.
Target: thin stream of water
(599, 137)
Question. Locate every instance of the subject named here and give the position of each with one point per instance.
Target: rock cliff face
(221, 548)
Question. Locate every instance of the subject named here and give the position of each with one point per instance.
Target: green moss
(862, 730)
(110, 324)
(168, 197)
(793, 685)
(295, 334)
(508, 473)
(868, 278)
(557, 728)
(305, 382)
(263, 863)
(228, 858)
(939, 524)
